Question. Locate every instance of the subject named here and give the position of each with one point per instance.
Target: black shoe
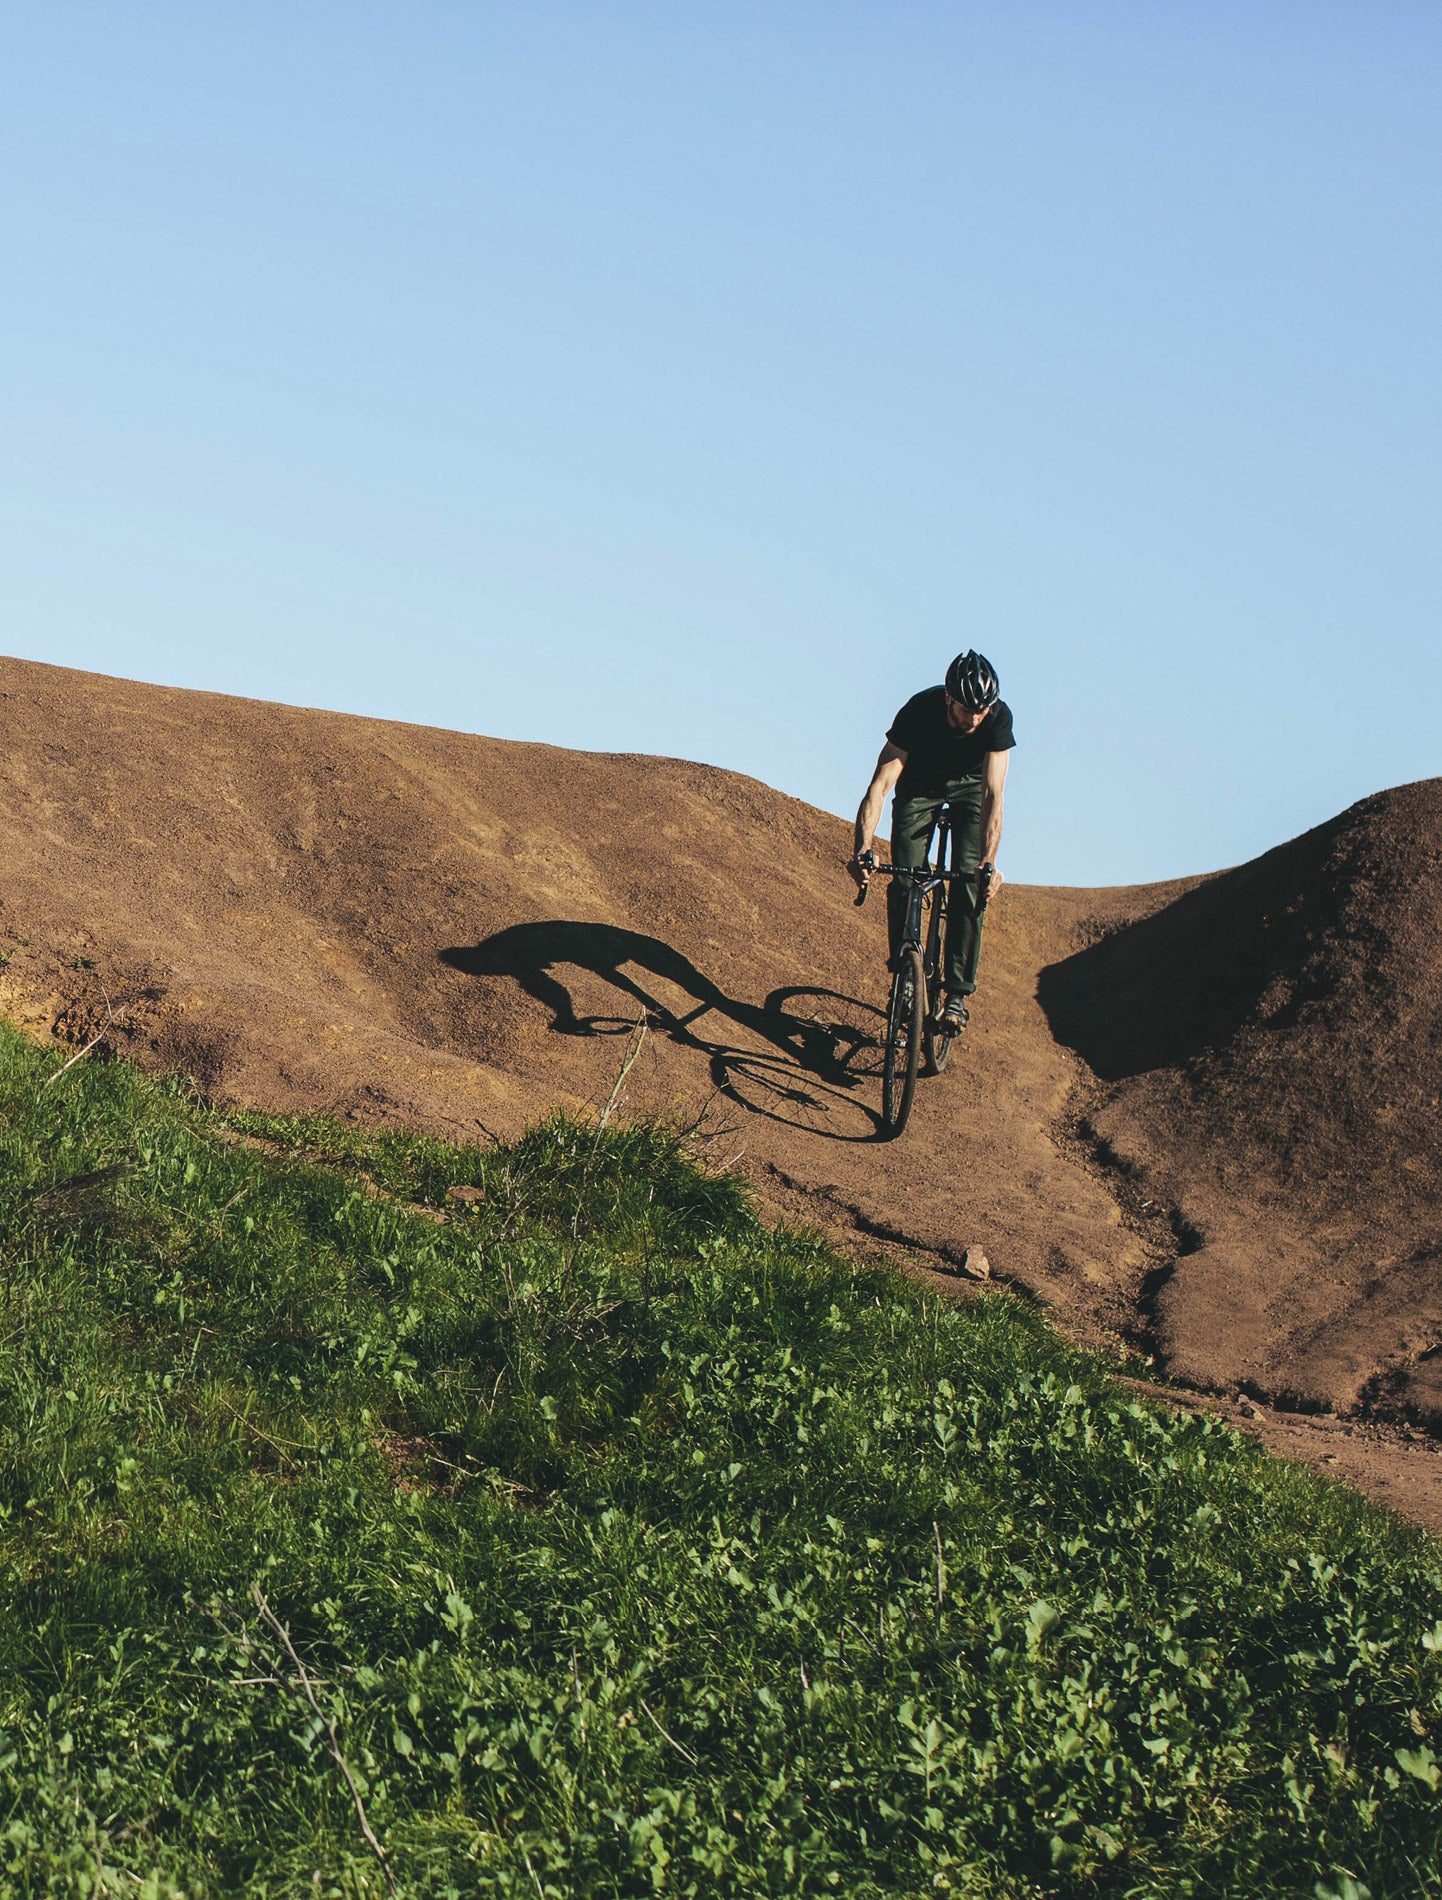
(954, 1016)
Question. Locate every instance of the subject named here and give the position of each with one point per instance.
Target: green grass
(630, 1547)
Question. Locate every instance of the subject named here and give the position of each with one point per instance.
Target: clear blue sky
(698, 378)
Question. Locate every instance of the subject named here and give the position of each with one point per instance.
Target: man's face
(961, 717)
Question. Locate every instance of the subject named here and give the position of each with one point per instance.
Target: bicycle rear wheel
(938, 1046)
(936, 1042)
(904, 1019)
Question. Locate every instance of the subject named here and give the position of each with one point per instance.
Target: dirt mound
(307, 910)
(1198, 1114)
(1268, 1046)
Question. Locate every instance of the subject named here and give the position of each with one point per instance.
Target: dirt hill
(1200, 1114)
(1266, 1048)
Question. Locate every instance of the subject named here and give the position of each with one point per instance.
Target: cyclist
(947, 745)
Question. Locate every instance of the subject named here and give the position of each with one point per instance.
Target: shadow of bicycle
(817, 1047)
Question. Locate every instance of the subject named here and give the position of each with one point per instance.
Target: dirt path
(1398, 1465)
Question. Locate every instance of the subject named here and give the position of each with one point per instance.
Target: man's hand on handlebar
(988, 882)
(861, 867)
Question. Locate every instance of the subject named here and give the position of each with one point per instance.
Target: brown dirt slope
(1266, 1048)
(1199, 1114)
(304, 909)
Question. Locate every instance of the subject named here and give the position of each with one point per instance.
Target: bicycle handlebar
(982, 876)
(913, 871)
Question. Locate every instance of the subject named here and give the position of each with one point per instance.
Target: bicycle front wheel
(935, 1042)
(904, 1019)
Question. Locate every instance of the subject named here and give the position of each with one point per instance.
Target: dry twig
(327, 1722)
(667, 1737)
(638, 1037)
(99, 1036)
(264, 1438)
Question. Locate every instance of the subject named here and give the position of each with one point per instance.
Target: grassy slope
(631, 1547)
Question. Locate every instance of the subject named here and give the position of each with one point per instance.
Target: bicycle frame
(916, 988)
(923, 879)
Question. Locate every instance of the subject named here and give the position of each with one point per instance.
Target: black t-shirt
(936, 753)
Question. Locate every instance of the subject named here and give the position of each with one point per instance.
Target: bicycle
(913, 1015)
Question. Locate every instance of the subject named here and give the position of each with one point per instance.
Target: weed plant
(598, 1540)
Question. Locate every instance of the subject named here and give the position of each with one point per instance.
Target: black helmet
(971, 678)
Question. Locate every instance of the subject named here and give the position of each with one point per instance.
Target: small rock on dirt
(975, 1265)
(464, 1196)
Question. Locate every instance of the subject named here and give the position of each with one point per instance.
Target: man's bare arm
(868, 817)
(992, 789)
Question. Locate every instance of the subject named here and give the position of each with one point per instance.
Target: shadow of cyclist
(836, 1052)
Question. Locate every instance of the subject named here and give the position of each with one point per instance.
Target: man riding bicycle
(947, 745)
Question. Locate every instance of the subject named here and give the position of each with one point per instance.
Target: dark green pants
(912, 818)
